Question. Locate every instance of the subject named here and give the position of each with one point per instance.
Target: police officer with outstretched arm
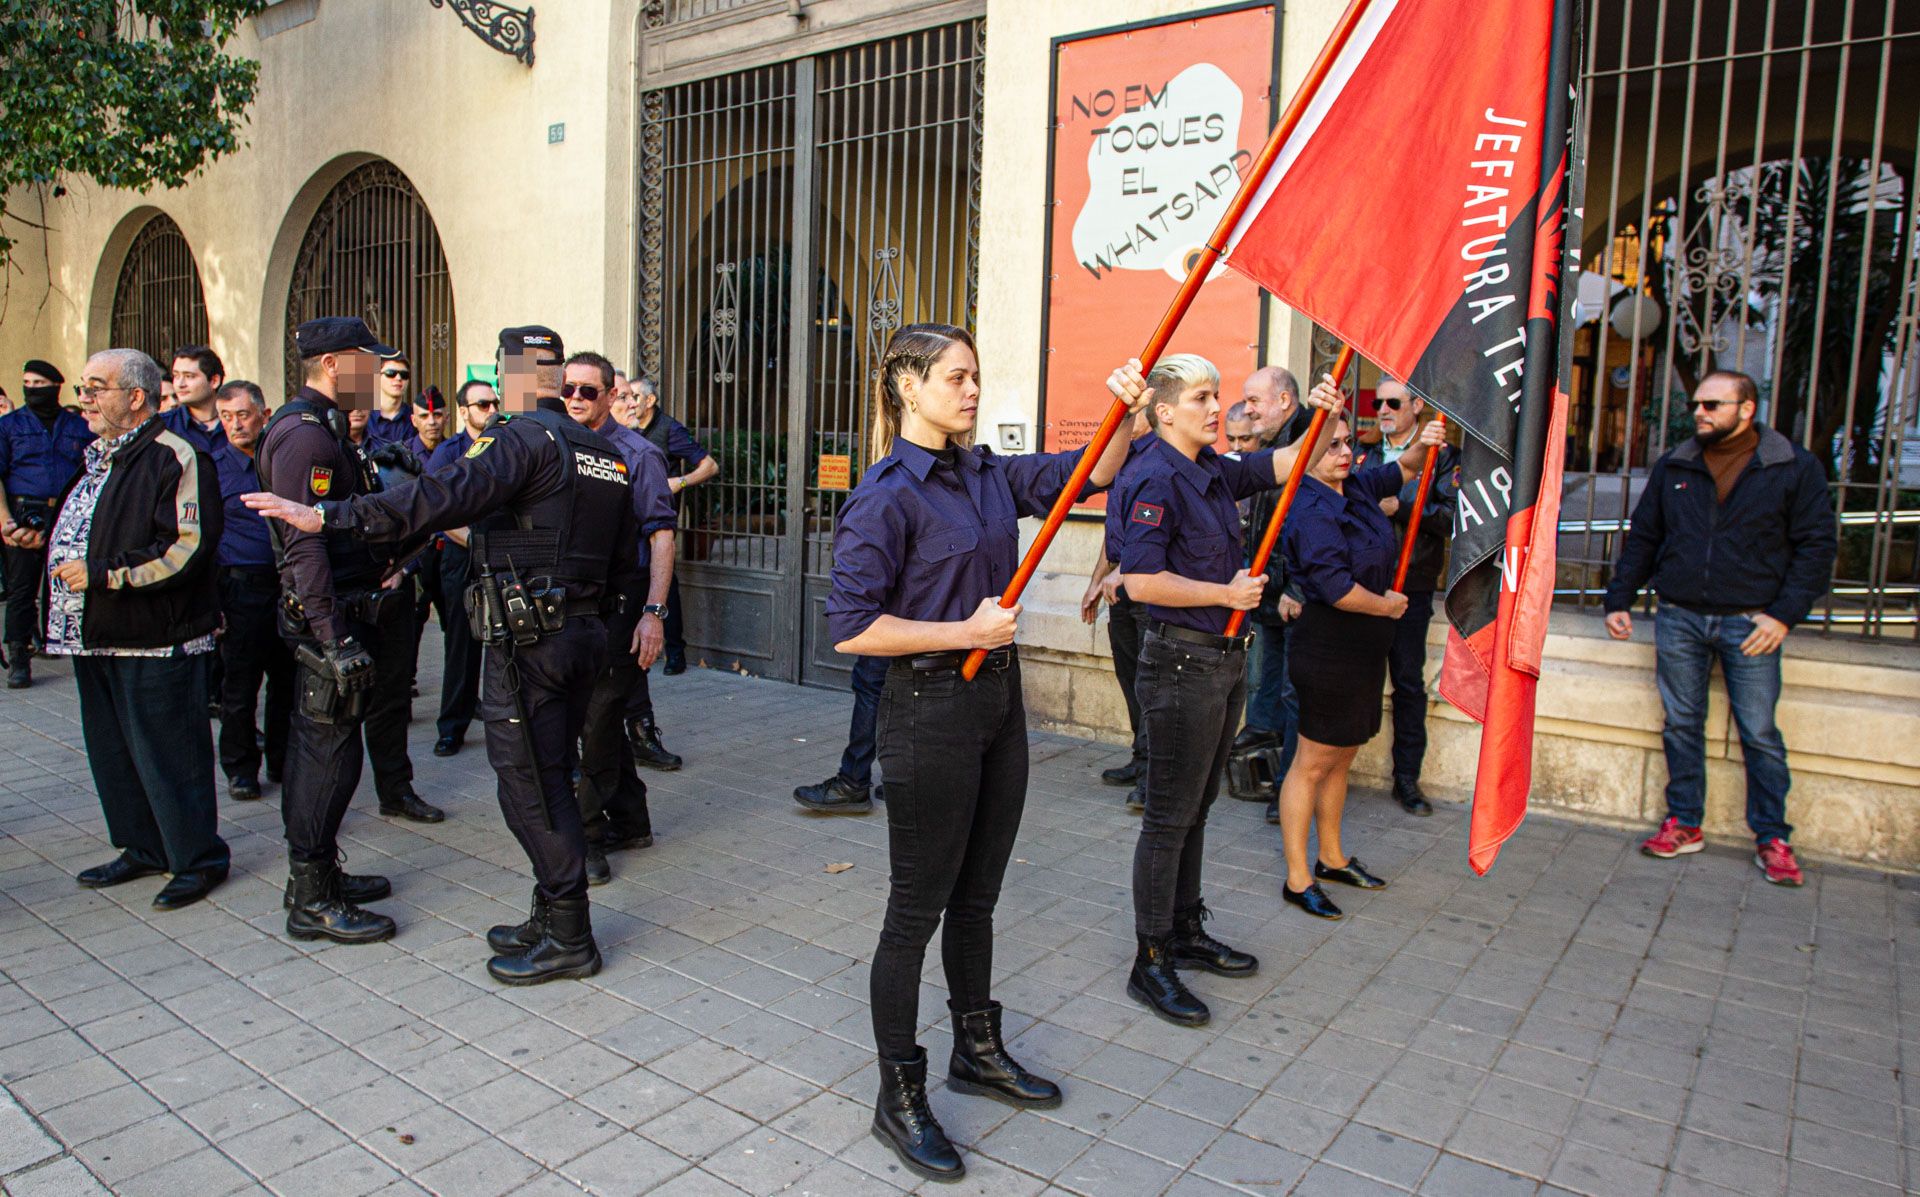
(554, 539)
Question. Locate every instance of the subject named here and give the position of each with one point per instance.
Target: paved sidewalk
(1584, 1020)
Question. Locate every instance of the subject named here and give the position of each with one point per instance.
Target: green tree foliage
(128, 93)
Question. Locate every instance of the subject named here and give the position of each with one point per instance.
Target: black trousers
(324, 759)
(955, 756)
(1406, 669)
(1190, 698)
(150, 748)
(391, 707)
(460, 670)
(1126, 624)
(251, 650)
(613, 799)
(675, 624)
(26, 570)
(530, 744)
(640, 697)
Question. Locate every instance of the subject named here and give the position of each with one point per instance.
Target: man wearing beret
(40, 449)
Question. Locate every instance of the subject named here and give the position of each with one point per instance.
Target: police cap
(531, 338)
(337, 334)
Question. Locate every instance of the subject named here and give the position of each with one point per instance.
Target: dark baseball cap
(337, 334)
(529, 338)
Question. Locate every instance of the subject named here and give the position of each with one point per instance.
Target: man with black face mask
(40, 452)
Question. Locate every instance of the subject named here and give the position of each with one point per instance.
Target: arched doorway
(158, 305)
(372, 251)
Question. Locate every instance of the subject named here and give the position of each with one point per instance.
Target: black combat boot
(644, 736)
(1155, 985)
(599, 872)
(353, 889)
(19, 673)
(1192, 945)
(904, 1121)
(981, 1065)
(511, 939)
(320, 911)
(566, 950)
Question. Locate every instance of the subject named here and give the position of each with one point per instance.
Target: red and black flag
(1444, 262)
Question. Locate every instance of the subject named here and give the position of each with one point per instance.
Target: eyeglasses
(1393, 404)
(87, 392)
(403, 375)
(585, 390)
(1713, 405)
(484, 404)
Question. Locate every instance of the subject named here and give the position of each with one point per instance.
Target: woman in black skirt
(920, 553)
(1340, 549)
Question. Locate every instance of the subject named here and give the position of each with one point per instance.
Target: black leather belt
(935, 664)
(1232, 644)
(580, 608)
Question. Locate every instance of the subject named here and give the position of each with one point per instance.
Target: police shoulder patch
(320, 481)
(1149, 514)
(479, 446)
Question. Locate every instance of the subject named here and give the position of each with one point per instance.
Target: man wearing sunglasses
(460, 673)
(1735, 532)
(391, 421)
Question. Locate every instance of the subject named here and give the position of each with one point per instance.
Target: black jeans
(460, 672)
(534, 761)
(1190, 698)
(1126, 623)
(955, 756)
(1406, 668)
(251, 650)
(869, 678)
(613, 799)
(324, 759)
(151, 751)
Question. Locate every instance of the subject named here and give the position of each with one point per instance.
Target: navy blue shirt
(647, 470)
(1114, 532)
(384, 429)
(36, 463)
(243, 540)
(1334, 539)
(447, 452)
(1182, 517)
(926, 541)
(181, 423)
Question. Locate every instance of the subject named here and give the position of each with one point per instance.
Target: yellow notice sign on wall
(836, 471)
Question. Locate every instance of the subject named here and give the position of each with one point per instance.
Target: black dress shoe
(835, 796)
(410, 806)
(187, 888)
(1192, 945)
(1314, 901)
(675, 666)
(599, 872)
(243, 789)
(1156, 985)
(981, 1065)
(1255, 737)
(1352, 873)
(1273, 810)
(118, 871)
(1124, 775)
(1137, 799)
(446, 746)
(904, 1121)
(643, 736)
(1411, 800)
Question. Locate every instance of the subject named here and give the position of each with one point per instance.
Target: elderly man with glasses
(132, 597)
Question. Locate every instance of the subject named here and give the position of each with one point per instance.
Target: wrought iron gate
(792, 216)
(372, 251)
(158, 304)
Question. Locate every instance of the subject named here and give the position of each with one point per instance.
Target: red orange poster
(1153, 128)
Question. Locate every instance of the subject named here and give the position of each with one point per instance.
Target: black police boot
(1407, 793)
(354, 890)
(1155, 985)
(566, 950)
(835, 796)
(511, 939)
(644, 736)
(412, 807)
(19, 673)
(904, 1121)
(981, 1065)
(320, 911)
(1124, 775)
(1192, 945)
(599, 872)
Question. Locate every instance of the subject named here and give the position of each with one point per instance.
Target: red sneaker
(1674, 840)
(1775, 859)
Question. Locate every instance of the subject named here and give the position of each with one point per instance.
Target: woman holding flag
(1180, 556)
(924, 546)
(1340, 549)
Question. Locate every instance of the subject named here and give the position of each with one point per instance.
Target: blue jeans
(1686, 644)
(1271, 703)
(869, 678)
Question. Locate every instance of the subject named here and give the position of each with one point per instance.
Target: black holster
(321, 698)
(503, 609)
(1253, 774)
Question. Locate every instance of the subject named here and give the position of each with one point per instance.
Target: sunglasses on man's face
(585, 390)
(484, 404)
(1393, 404)
(400, 374)
(1713, 405)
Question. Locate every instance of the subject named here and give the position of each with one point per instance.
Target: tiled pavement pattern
(1585, 1020)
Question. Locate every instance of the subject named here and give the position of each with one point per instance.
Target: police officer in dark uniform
(41, 444)
(554, 538)
(350, 636)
